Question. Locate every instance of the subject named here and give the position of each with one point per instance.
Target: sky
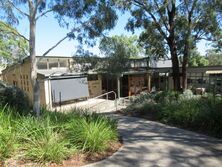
(48, 32)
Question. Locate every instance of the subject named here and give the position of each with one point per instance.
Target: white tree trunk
(35, 83)
(118, 86)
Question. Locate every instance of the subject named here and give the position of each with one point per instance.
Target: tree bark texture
(187, 47)
(184, 65)
(173, 46)
(32, 47)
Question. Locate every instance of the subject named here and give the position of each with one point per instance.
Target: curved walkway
(152, 144)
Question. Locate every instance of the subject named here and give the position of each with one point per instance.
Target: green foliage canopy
(12, 46)
(197, 60)
(118, 50)
(214, 57)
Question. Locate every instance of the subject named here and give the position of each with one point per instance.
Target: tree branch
(54, 46)
(19, 10)
(207, 39)
(43, 14)
(37, 5)
(10, 30)
(161, 15)
(139, 4)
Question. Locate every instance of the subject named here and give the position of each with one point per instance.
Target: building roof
(57, 72)
(160, 63)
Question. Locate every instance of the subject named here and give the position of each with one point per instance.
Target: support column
(118, 86)
(149, 82)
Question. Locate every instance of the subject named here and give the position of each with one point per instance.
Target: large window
(53, 63)
(63, 63)
(42, 65)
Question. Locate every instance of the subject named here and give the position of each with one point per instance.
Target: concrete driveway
(152, 144)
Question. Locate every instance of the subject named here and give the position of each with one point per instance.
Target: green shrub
(8, 135)
(143, 97)
(182, 113)
(202, 114)
(14, 98)
(54, 136)
(167, 97)
(92, 132)
(187, 94)
(47, 145)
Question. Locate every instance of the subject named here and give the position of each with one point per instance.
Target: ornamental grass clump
(8, 134)
(53, 137)
(43, 142)
(92, 133)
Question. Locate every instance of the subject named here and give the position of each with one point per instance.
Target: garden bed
(56, 139)
(76, 160)
(202, 114)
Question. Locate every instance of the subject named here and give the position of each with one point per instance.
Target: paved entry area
(95, 105)
(151, 144)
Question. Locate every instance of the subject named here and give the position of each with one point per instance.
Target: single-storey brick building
(61, 81)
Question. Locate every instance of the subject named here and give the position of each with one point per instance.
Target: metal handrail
(97, 104)
(105, 94)
(125, 98)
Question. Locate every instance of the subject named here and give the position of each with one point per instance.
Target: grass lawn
(72, 138)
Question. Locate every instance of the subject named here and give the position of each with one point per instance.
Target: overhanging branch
(19, 10)
(159, 28)
(11, 31)
(43, 14)
(54, 46)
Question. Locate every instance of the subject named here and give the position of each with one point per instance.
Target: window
(53, 65)
(137, 64)
(42, 65)
(63, 63)
(132, 64)
(15, 83)
(144, 64)
(162, 79)
(218, 82)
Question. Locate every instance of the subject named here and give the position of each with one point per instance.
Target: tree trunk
(35, 82)
(184, 65)
(175, 67)
(186, 54)
(172, 45)
(118, 87)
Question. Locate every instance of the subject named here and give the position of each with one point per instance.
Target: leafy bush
(46, 145)
(54, 136)
(166, 96)
(187, 94)
(8, 137)
(201, 113)
(143, 97)
(92, 132)
(182, 113)
(14, 98)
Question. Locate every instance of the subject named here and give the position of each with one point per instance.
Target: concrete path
(151, 144)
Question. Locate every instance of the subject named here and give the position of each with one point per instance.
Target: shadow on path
(148, 143)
